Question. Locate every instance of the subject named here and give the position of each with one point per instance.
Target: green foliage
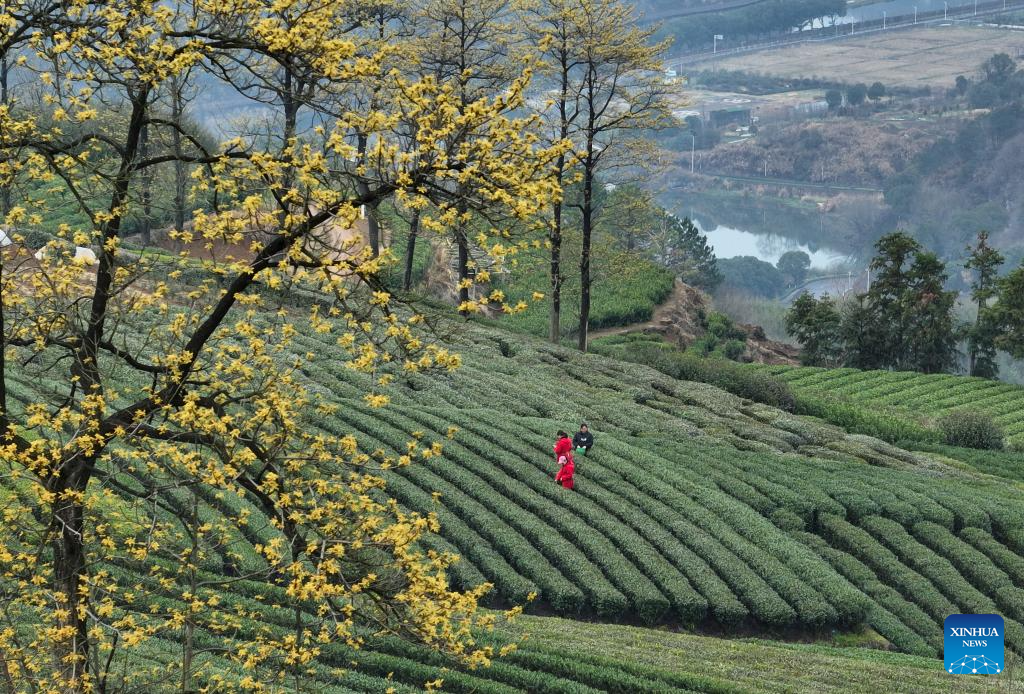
(816, 325)
(694, 508)
(904, 321)
(752, 275)
(984, 262)
(916, 400)
(876, 91)
(722, 339)
(626, 289)
(1008, 314)
(971, 430)
(856, 419)
(834, 98)
(678, 245)
(685, 366)
(794, 265)
(856, 94)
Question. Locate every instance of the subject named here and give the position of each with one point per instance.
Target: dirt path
(679, 301)
(678, 321)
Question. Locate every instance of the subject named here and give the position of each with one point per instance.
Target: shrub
(971, 430)
(729, 376)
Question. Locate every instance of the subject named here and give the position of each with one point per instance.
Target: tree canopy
(172, 376)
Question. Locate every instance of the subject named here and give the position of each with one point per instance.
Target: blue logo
(974, 644)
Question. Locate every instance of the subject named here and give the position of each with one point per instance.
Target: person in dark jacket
(583, 439)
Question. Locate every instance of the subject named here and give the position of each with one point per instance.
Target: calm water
(730, 243)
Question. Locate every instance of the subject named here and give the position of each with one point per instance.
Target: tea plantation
(696, 510)
(916, 399)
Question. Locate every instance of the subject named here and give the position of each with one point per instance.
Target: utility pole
(915, 14)
(693, 149)
(884, 15)
(718, 37)
(945, 11)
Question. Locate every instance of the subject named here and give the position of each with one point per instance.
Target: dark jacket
(583, 440)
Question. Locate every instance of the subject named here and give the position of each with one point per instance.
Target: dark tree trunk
(146, 225)
(410, 249)
(177, 109)
(555, 325)
(67, 528)
(463, 244)
(363, 188)
(373, 229)
(5, 190)
(588, 226)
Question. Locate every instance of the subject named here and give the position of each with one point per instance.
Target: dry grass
(930, 56)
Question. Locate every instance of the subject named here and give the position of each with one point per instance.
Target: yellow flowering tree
(161, 378)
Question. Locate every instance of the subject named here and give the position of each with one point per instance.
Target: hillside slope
(695, 509)
(919, 399)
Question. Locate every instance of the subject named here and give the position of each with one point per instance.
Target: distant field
(930, 56)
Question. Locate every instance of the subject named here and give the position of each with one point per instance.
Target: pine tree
(680, 246)
(984, 261)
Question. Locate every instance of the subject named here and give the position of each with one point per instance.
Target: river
(730, 243)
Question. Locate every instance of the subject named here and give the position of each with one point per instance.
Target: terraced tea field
(696, 509)
(918, 398)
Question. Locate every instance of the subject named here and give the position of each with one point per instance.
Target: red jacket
(563, 447)
(565, 474)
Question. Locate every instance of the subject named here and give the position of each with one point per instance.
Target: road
(833, 285)
(985, 8)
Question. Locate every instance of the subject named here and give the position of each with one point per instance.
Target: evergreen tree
(681, 246)
(905, 320)
(984, 261)
(859, 335)
(931, 336)
(815, 323)
(884, 338)
(1008, 314)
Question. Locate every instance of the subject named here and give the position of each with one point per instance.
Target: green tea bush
(971, 430)
(727, 375)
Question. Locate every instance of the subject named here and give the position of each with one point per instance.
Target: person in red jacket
(563, 446)
(565, 472)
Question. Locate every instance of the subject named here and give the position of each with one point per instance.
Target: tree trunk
(146, 226)
(373, 229)
(410, 249)
(588, 219)
(363, 188)
(555, 325)
(5, 190)
(177, 109)
(67, 528)
(463, 243)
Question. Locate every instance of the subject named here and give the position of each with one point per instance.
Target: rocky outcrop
(680, 320)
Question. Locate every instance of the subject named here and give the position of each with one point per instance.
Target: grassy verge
(755, 665)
